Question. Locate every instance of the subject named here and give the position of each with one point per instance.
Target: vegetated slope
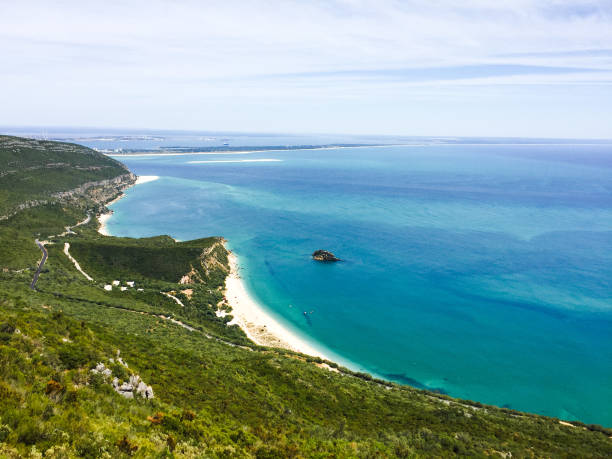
(35, 170)
(57, 179)
(153, 258)
(216, 393)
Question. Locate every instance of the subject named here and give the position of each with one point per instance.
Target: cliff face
(35, 173)
(101, 191)
(212, 264)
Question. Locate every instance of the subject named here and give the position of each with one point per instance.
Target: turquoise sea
(481, 271)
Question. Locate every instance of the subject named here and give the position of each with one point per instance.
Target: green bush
(4, 432)
(74, 356)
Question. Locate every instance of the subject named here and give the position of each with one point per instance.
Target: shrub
(7, 393)
(6, 331)
(171, 442)
(28, 431)
(88, 446)
(4, 432)
(266, 452)
(72, 396)
(157, 418)
(120, 371)
(53, 388)
(188, 415)
(74, 356)
(126, 446)
(96, 380)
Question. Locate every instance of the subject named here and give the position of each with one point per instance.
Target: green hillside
(152, 258)
(200, 387)
(45, 186)
(36, 169)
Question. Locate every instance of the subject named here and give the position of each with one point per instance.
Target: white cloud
(66, 56)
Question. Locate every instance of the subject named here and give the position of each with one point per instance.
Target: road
(44, 251)
(41, 264)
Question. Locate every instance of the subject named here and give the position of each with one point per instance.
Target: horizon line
(294, 134)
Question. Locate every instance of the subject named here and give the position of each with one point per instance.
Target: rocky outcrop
(131, 388)
(324, 255)
(23, 206)
(212, 259)
(134, 386)
(100, 191)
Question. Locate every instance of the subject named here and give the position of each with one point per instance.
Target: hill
(125, 348)
(34, 171)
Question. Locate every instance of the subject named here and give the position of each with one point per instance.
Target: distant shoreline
(246, 150)
(235, 150)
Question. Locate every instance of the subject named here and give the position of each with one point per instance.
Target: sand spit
(262, 160)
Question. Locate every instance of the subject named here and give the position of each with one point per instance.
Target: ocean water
(481, 271)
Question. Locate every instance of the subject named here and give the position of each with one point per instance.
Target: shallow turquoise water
(481, 271)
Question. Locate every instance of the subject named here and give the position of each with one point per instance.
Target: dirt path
(179, 302)
(69, 228)
(74, 262)
(41, 246)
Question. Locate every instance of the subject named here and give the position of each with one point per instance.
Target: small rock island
(324, 255)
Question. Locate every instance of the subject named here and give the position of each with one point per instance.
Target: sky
(508, 68)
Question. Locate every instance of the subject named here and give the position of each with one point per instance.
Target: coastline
(249, 314)
(260, 326)
(103, 218)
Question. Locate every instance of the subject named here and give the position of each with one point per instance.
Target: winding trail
(74, 262)
(179, 302)
(41, 246)
(69, 228)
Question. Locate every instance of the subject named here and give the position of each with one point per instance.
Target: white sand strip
(146, 178)
(103, 218)
(247, 152)
(259, 326)
(179, 302)
(220, 152)
(262, 160)
(76, 263)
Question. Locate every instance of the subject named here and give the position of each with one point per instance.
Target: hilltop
(126, 348)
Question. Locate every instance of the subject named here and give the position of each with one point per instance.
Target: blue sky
(537, 68)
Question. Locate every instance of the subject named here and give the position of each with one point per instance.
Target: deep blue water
(482, 271)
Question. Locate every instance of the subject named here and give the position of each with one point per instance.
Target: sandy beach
(103, 218)
(259, 326)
